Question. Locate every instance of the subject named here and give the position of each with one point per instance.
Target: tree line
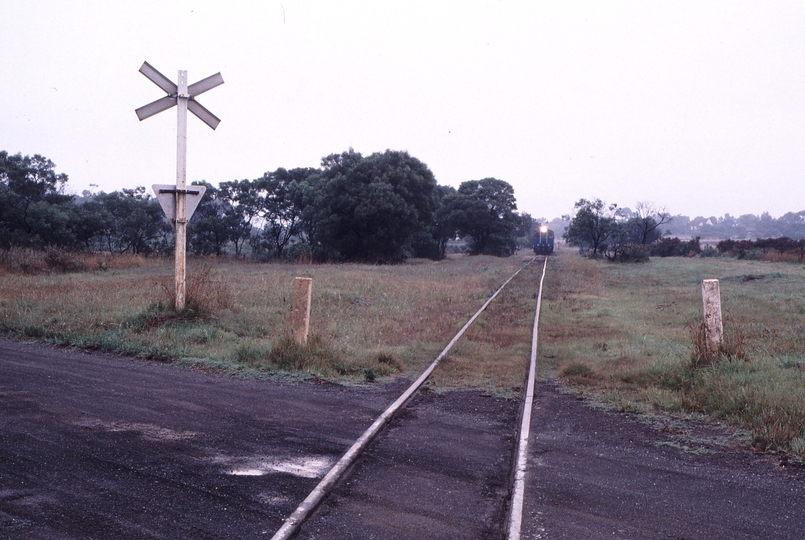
(602, 230)
(744, 227)
(620, 234)
(381, 208)
(760, 248)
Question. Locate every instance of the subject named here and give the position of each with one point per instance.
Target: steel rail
(518, 491)
(334, 474)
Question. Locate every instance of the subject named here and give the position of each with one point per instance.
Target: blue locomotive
(543, 241)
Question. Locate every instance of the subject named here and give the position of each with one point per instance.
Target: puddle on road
(301, 466)
(304, 467)
(248, 472)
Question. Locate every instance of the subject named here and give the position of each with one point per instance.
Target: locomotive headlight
(543, 229)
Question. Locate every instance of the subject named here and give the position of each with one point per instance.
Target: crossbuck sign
(177, 201)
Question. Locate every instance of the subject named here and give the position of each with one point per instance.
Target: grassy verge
(627, 333)
(367, 321)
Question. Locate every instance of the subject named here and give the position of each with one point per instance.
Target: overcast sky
(697, 106)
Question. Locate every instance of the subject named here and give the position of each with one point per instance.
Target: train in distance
(543, 241)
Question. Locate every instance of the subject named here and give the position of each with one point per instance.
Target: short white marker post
(300, 318)
(714, 330)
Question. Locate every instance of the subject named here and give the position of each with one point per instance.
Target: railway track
(416, 433)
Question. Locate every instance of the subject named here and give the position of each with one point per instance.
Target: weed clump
(731, 347)
(388, 359)
(251, 353)
(316, 356)
(286, 354)
(206, 292)
(154, 316)
(579, 372)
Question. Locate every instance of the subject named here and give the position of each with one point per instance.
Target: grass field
(366, 322)
(623, 334)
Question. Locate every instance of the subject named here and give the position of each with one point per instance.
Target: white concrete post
(300, 318)
(714, 330)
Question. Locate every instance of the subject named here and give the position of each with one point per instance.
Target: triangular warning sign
(166, 195)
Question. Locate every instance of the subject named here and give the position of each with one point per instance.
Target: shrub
(632, 253)
(776, 249)
(59, 260)
(709, 251)
(23, 261)
(675, 247)
(300, 252)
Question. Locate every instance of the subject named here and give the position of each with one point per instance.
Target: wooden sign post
(300, 318)
(177, 201)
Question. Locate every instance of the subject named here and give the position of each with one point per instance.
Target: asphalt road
(95, 446)
(440, 470)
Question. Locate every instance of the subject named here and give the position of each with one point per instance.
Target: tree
(51, 224)
(414, 183)
(484, 210)
(444, 228)
(647, 220)
(93, 224)
(792, 224)
(527, 224)
(527, 229)
(209, 230)
(372, 209)
(280, 205)
(624, 243)
(768, 227)
(137, 223)
(591, 226)
(34, 211)
(242, 205)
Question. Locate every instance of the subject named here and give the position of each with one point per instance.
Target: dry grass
(58, 261)
(367, 321)
(498, 346)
